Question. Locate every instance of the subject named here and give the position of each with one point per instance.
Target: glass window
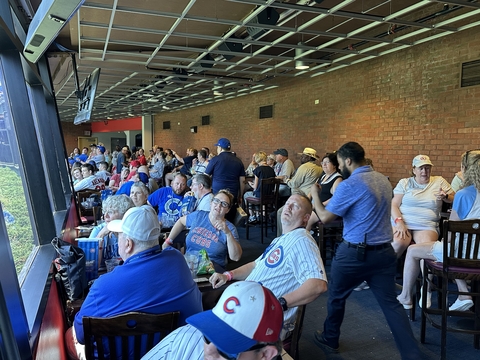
(12, 193)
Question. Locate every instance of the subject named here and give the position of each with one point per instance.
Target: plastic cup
(192, 262)
(111, 264)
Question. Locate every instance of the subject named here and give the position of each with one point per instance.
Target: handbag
(70, 265)
(240, 216)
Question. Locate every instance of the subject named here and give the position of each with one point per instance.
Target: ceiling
(158, 55)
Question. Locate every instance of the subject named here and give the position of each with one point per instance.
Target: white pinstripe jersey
(184, 343)
(286, 264)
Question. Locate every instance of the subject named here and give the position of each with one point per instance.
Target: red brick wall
(72, 132)
(396, 107)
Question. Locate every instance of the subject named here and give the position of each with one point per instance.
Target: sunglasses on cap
(235, 356)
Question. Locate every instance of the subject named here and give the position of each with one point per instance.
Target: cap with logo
(421, 160)
(224, 143)
(139, 223)
(246, 314)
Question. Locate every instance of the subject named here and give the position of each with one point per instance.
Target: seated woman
(416, 205)
(113, 208)
(139, 193)
(328, 182)
(210, 231)
(262, 171)
(466, 206)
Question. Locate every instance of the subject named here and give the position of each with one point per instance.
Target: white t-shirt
(90, 183)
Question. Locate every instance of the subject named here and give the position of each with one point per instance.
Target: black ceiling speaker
(268, 16)
(183, 74)
(230, 47)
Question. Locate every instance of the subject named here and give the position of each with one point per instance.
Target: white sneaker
(461, 305)
(429, 299)
(362, 286)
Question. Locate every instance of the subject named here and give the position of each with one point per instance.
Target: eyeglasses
(229, 357)
(223, 204)
(325, 163)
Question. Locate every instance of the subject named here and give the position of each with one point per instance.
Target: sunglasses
(223, 204)
(229, 357)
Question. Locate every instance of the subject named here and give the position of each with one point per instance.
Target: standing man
(291, 267)
(284, 167)
(121, 159)
(228, 173)
(363, 199)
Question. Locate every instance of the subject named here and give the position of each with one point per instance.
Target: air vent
(206, 120)
(166, 125)
(470, 73)
(266, 112)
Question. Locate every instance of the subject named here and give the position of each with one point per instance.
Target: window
(12, 192)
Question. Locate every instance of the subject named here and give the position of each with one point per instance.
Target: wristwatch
(284, 304)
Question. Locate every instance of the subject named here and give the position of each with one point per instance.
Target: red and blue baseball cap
(246, 314)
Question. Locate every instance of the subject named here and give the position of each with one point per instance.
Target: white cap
(421, 160)
(139, 223)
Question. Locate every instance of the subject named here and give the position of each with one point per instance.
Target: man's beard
(345, 173)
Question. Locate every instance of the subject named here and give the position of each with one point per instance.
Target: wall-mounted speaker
(166, 125)
(206, 120)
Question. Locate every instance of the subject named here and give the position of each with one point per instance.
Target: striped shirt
(286, 264)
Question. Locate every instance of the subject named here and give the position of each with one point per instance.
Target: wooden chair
(88, 215)
(331, 232)
(266, 204)
(129, 336)
(290, 344)
(461, 260)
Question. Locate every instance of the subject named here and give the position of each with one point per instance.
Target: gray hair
(145, 190)
(120, 203)
(204, 179)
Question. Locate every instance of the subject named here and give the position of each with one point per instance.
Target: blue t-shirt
(187, 165)
(125, 188)
(225, 169)
(203, 235)
(364, 202)
(168, 202)
(464, 200)
(140, 285)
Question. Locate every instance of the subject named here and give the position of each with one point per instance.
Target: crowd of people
(196, 196)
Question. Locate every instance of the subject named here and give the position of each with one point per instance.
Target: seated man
(90, 181)
(170, 200)
(202, 189)
(247, 320)
(184, 169)
(291, 266)
(102, 171)
(138, 284)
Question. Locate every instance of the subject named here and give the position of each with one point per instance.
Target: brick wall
(396, 107)
(72, 132)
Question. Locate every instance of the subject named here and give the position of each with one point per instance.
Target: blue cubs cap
(224, 143)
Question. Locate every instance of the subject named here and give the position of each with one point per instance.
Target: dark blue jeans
(378, 270)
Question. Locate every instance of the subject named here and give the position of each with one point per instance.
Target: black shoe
(320, 340)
